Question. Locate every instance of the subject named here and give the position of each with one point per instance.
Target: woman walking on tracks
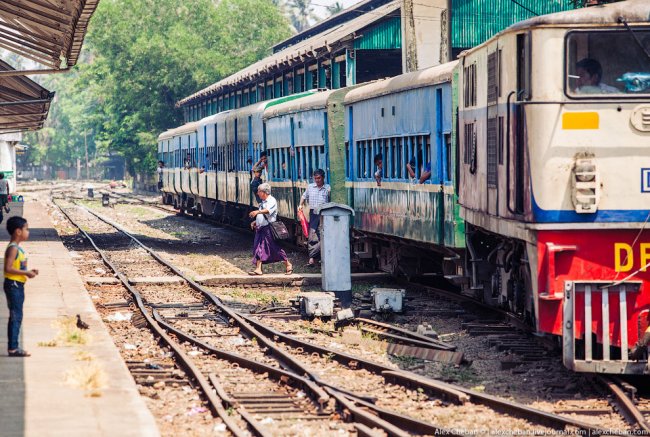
(265, 248)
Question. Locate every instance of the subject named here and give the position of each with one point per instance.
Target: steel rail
(319, 394)
(341, 396)
(214, 402)
(403, 377)
(405, 333)
(625, 403)
(407, 423)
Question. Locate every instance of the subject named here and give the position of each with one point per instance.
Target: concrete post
(335, 251)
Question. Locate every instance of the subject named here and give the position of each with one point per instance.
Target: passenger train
(533, 153)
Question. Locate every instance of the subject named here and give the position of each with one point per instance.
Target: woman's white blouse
(272, 205)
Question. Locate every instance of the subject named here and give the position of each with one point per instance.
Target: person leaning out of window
(425, 174)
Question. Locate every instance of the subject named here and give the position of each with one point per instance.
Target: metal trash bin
(106, 199)
(91, 193)
(335, 251)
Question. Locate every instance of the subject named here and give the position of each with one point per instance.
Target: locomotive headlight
(585, 186)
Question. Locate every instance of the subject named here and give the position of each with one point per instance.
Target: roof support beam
(25, 6)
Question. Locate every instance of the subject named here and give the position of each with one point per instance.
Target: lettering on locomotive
(624, 257)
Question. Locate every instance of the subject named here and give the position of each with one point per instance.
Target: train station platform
(39, 396)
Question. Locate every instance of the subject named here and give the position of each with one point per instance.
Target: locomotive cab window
(606, 63)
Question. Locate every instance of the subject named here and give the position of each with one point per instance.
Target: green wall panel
(476, 21)
(385, 35)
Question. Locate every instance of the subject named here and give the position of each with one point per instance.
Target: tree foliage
(140, 57)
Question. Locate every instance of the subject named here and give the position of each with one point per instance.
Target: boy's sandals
(289, 272)
(19, 353)
(254, 273)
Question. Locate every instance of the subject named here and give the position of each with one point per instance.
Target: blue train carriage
(175, 144)
(555, 179)
(407, 222)
(228, 144)
(301, 136)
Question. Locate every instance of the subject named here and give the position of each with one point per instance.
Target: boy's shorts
(3, 199)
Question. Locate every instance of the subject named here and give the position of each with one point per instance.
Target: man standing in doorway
(317, 194)
(4, 195)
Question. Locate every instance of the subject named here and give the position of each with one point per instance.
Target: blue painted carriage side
(420, 112)
(326, 138)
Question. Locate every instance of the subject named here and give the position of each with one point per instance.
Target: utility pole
(450, 55)
(86, 147)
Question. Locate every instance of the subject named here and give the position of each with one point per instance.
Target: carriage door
(441, 170)
(492, 136)
(235, 161)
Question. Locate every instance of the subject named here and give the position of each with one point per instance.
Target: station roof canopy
(45, 31)
(306, 50)
(24, 104)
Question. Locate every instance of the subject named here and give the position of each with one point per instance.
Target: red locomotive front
(594, 290)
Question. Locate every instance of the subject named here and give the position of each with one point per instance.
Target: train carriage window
(347, 159)
(606, 63)
(469, 81)
(493, 78)
(492, 147)
(501, 139)
(468, 142)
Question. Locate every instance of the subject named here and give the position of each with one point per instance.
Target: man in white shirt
(316, 194)
(4, 195)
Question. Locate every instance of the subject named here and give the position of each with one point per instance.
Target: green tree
(140, 58)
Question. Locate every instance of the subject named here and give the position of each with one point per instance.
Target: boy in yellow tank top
(16, 275)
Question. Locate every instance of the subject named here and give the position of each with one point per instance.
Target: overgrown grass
(88, 376)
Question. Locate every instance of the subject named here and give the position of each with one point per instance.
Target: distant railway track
(270, 339)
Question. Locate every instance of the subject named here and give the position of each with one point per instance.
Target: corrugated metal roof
(384, 35)
(295, 53)
(476, 21)
(45, 31)
(24, 104)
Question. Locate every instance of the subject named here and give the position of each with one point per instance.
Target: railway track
(246, 384)
(191, 316)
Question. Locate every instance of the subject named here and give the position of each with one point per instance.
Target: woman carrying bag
(265, 248)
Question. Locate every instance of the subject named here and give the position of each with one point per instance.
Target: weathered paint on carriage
(314, 128)
(391, 112)
(454, 224)
(336, 144)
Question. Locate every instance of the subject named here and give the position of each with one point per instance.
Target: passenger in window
(188, 161)
(256, 182)
(262, 162)
(317, 194)
(590, 74)
(425, 174)
(410, 168)
(379, 163)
